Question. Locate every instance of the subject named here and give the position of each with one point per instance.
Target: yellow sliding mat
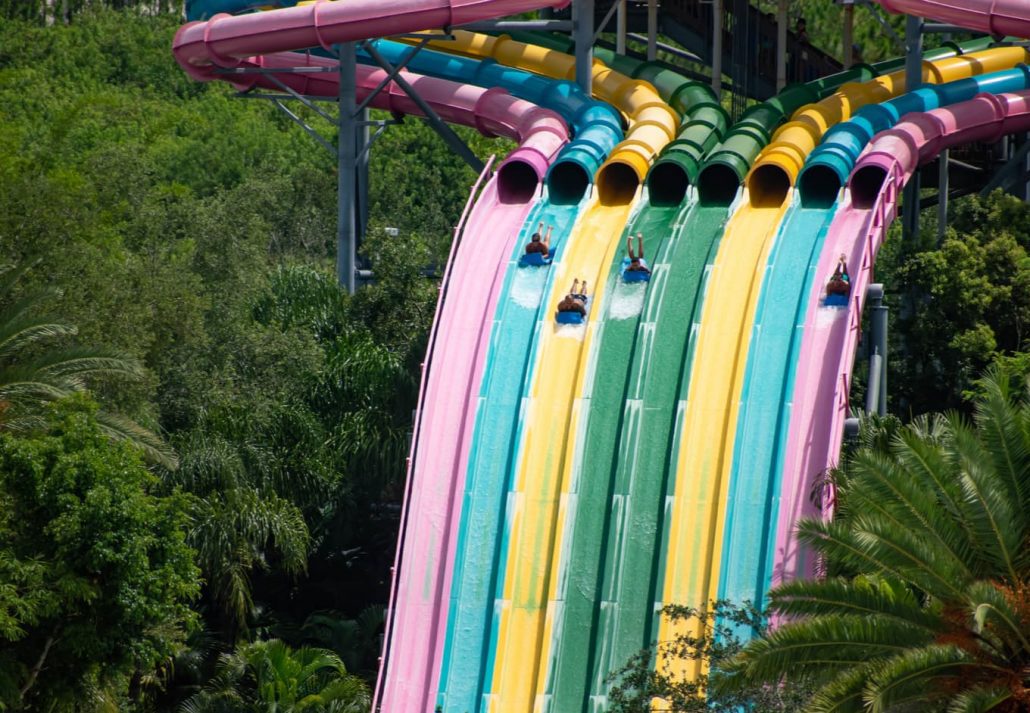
(696, 521)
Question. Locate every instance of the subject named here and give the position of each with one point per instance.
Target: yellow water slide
(544, 466)
(695, 532)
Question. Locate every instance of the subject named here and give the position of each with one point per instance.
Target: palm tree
(930, 610)
(34, 373)
(270, 676)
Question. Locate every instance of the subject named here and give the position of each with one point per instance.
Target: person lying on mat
(840, 282)
(540, 243)
(635, 264)
(576, 300)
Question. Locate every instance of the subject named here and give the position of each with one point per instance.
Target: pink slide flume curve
(995, 17)
(462, 330)
(820, 400)
(226, 40)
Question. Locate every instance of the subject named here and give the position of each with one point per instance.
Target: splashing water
(627, 300)
(527, 289)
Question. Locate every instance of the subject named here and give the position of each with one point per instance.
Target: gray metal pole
(717, 48)
(346, 150)
(878, 339)
(942, 193)
(620, 28)
(362, 135)
(652, 30)
(913, 80)
(781, 44)
(583, 33)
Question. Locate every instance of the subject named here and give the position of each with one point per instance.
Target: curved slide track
(566, 481)
(791, 271)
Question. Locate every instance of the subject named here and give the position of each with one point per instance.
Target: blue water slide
(596, 126)
(829, 165)
(762, 426)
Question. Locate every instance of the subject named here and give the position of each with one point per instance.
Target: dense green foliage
(959, 305)
(96, 579)
(268, 675)
(716, 636)
(193, 235)
(927, 606)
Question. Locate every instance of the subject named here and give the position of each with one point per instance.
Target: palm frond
(843, 694)
(914, 676)
(882, 598)
(26, 329)
(820, 647)
(1002, 429)
(999, 528)
(979, 700)
(155, 449)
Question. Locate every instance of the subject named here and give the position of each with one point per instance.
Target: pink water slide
(227, 40)
(820, 401)
(996, 17)
(461, 330)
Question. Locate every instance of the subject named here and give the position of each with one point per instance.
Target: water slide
(761, 439)
(604, 478)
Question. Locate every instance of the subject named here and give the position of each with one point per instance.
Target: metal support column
(652, 30)
(849, 34)
(620, 28)
(583, 34)
(913, 80)
(347, 159)
(781, 44)
(361, 172)
(876, 395)
(717, 47)
(942, 193)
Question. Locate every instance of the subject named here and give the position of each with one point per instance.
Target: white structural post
(781, 44)
(717, 47)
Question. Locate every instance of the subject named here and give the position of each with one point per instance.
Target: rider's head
(536, 237)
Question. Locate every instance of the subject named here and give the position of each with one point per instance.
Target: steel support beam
(604, 22)
(583, 34)
(393, 72)
(652, 30)
(346, 150)
(445, 132)
(940, 28)
(675, 51)
(781, 44)
(620, 28)
(849, 35)
(717, 47)
(876, 395)
(1012, 171)
(942, 192)
(913, 80)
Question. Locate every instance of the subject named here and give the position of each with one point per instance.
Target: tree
(960, 304)
(270, 676)
(928, 603)
(33, 373)
(722, 628)
(97, 577)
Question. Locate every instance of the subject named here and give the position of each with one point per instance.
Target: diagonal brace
(391, 74)
(302, 99)
(302, 124)
(1011, 171)
(446, 132)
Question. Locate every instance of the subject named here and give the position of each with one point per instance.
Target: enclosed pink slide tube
(227, 40)
(540, 132)
(820, 400)
(996, 17)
